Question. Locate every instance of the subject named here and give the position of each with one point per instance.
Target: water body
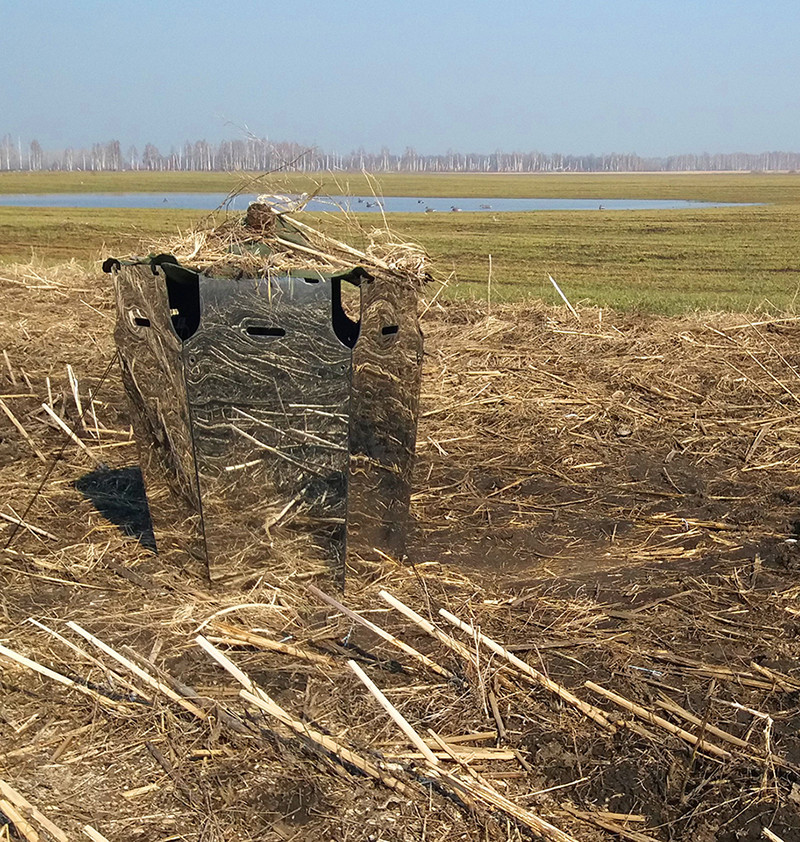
(359, 204)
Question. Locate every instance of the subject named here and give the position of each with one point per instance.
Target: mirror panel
(152, 373)
(387, 371)
(271, 426)
(268, 385)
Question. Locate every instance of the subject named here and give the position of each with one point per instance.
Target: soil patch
(614, 501)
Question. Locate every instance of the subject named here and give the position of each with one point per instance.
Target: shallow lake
(359, 204)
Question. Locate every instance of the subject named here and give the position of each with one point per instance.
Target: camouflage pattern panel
(152, 374)
(268, 383)
(387, 372)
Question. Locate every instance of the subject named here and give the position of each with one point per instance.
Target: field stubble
(614, 498)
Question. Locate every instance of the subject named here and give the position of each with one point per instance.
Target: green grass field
(722, 187)
(673, 261)
(670, 262)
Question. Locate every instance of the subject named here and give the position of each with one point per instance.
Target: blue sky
(653, 77)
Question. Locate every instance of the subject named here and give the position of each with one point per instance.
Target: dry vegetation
(265, 241)
(614, 500)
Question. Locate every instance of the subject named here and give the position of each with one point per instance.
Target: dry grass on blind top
(614, 500)
(267, 239)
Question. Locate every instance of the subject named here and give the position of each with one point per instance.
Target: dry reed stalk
(338, 244)
(607, 821)
(564, 298)
(11, 376)
(22, 431)
(314, 252)
(495, 708)
(465, 753)
(330, 745)
(11, 795)
(223, 714)
(398, 718)
(61, 679)
(65, 427)
(240, 635)
(382, 633)
(586, 708)
(93, 414)
(479, 789)
(67, 735)
(255, 695)
(223, 246)
(654, 719)
(29, 526)
(785, 683)
(459, 739)
(76, 396)
(22, 825)
(92, 660)
(140, 790)
(180, 785)
(427, 626)
(95, 835)
(453, 755)
(721, 673)
(673, 707)
(241, 606)
(428, 304)
(138, 671)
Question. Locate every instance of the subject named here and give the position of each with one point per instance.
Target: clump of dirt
(615, 502)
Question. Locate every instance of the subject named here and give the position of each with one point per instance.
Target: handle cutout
(389, 330)
(183, 294)
(263, 330)
(345, 327)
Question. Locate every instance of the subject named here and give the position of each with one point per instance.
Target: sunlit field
(669, 261)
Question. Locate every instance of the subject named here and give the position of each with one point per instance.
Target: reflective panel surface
(268, 383)
(271, 426)
(152, 373)
(387, 370)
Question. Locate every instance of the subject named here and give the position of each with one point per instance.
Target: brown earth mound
(615, 501)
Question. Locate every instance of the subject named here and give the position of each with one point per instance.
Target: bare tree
(36, 156)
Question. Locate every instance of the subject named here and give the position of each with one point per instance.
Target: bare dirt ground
(616, 501)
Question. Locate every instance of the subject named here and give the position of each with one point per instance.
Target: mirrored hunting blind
(268, 419)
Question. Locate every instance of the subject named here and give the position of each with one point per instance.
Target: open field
(615, 499)
(85, 234)
(665, 261)
(719, 187)
(674, 261)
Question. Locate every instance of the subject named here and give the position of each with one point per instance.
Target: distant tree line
(256, 154)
